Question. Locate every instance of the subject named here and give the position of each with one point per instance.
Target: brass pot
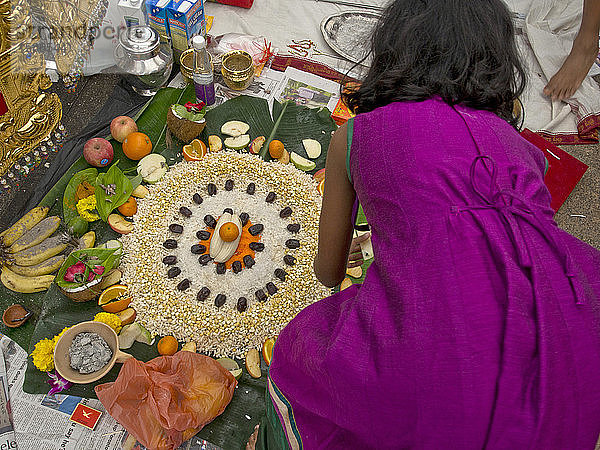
(186, 65)
(237, 69)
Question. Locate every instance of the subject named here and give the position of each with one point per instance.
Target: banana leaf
(52, 311)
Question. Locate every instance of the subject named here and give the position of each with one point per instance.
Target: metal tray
(349, 34)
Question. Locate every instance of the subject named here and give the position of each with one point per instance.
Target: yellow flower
(112, 320)
(57, 337)
(85, 206)
(43, 355)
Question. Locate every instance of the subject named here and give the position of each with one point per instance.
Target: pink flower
(57, 383)
(97, 270)
(73, 270)
(191, 106)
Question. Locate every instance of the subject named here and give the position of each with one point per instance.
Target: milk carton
(132, 13)
(156, 10)
(186, 19)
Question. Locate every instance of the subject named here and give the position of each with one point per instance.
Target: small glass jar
(145, 57)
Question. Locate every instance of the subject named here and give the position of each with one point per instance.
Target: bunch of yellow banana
(31, 252)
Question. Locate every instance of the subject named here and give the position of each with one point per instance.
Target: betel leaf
(91, 257)
(69, 197)
(106, 202)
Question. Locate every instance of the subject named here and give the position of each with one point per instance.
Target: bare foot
(573, 71)
(252, 440)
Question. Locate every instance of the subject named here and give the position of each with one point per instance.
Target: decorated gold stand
(28, 116)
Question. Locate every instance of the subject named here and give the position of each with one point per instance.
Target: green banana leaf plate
(52, 311)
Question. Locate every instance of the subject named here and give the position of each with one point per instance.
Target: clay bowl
(61, 352)
(14, 312)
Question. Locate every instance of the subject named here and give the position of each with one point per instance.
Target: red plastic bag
(167, 400)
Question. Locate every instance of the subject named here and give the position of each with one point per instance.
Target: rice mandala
(230, 307)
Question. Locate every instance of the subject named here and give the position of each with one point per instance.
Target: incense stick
(353, 4)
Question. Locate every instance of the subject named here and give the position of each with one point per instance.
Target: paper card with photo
(307, 89)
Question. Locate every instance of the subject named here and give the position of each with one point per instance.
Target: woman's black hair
(463, 51)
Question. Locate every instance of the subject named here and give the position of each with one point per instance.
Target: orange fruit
(129, 208)
(276, 149)
(195, 150)
(267, 350)
(137, 145)
(321, 187)
(113, 300)
(229, 232)
(168, 345)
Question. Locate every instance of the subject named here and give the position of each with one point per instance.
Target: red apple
(98, 152)
(121, 127)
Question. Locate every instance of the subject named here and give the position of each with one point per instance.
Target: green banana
(25, 285)
(25, 223)
(43, 268)
(37, 234)
(39, 253)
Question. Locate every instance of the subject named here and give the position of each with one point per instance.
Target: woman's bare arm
(335, 226)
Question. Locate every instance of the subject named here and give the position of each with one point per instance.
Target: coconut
(182, 127)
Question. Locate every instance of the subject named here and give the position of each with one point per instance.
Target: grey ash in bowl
(89, 353)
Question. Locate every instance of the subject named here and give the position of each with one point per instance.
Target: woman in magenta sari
(478, 323)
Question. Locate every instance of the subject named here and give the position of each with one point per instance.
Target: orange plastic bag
(167, 400)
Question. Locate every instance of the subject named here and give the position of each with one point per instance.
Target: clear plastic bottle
(203, 72)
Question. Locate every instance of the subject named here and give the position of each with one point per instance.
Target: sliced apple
(345, 284)
(127, 316)
(302, 163)
(87, 240)
(189, 347)
(238, 142)
(235, 128)
(354, 272)
(312, 147)
(128, 335)
(140, 191)
(111, 278)
(152, 168)
(119, 224)
(285, 158)
(253, 363)
(145, 337)
(215, 144)
(257, 145)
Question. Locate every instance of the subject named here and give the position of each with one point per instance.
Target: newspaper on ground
(7, 433)
(295, 85)
(42, 422)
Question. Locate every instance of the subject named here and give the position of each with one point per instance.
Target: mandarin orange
(137, 145)
(276, 149)
(129, 208)
(168, 345)
(229, 232)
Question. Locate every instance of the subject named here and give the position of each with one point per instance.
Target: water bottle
(203, 72)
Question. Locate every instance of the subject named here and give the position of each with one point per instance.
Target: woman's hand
(355, 256)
